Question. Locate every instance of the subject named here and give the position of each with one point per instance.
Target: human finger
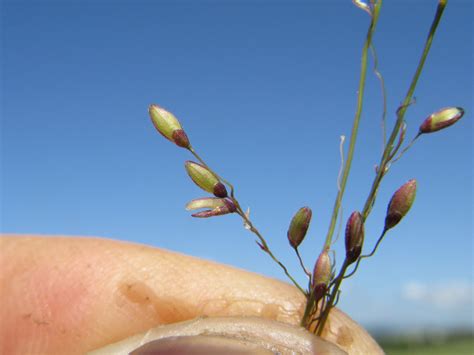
(76, 294)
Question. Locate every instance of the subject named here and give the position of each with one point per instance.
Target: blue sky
(264, 90)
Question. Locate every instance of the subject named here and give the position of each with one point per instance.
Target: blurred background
(264, 90)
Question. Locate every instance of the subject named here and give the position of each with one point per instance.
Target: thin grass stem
(355, 126)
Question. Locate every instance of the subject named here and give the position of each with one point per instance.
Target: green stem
(402, 110)
(334, 292)
(266, 249)
(376, 245)
(308, 310)
(405, 149)
(355, 126)
(302, 263)
(401, 139)
(387, 152)
(368, 255)
(353, 271)
(347, 166)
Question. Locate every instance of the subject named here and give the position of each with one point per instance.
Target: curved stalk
(264, 246)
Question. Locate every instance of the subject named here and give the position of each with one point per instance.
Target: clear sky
(264, 90)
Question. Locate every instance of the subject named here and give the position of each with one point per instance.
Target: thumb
(76, 294)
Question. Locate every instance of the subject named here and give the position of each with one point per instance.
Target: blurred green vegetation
(458, 344)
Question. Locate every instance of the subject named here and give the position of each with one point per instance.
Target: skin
(72, 295)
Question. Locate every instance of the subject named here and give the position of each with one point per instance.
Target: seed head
(218, 206)
(400, 204)
(205, 179)
(168, 125)
(441, 119)
(299, 226)
(321, 274)
(354, 236)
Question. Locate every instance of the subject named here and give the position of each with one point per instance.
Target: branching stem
(401, 112)
(264, 246)
(388, 153)
(262, 242)
(302, 264)
(332, 297)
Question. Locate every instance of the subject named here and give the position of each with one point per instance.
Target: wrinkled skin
(72, 295)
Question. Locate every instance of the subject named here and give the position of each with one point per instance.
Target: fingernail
(198, 345)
